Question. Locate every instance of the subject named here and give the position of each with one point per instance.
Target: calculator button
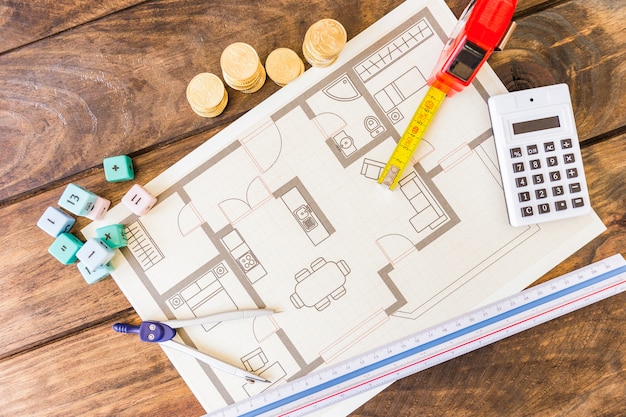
(578, 202)
(543, 208)
(560, 205)
(518, 167)
(535, 164)
(516, 152)
(572, 173)
(521, 182)
(558, 190)
(566, 144)
(532, 149)
(552, 161)
(538, 179)
(541, 193)
(574, 187)
(527, 211)
(555, 176)
(569, 158)
(549, 146)
(525, 196)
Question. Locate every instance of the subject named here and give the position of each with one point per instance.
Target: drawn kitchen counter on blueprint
(288, 215)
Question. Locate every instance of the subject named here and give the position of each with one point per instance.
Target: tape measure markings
(413, 134)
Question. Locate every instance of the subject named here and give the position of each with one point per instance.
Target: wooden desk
(80, 81)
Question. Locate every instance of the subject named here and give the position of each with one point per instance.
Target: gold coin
(216, 111)
(257, 85)
(205, 90)
(240, 62)
(327, 37)
(283, 66)
(316, 60)
(206, 95)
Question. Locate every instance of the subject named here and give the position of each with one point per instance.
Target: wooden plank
(24, 22)
(95, 372)
(580, 43)
(117, 85)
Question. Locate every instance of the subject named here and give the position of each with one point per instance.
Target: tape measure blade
(410, 139)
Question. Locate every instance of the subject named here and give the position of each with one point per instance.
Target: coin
(206, 95)
(241, 67)
(283, 65)
(323, 42)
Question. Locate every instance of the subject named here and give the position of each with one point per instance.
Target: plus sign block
(138, 200)
(77, 200)
(94, 254)
(94, 275)
(65, 247)
(113, 235)
(118, 168)
(54, 221)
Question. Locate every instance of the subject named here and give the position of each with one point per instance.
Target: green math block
(118, 168)
(64, 248)
(113, 235)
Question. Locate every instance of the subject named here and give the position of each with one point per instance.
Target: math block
(55, 221)
(77, 200)
(138, 200)
(118, 168)
(94, 253)
(65, 247)
(95, 275)
(100, 208)
(113, 235)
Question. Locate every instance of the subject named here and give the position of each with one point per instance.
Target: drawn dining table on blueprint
(284, 211)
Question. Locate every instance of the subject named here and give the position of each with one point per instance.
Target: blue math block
(95, 275)
(118, 168)
(113, 235)
(65, 247)
(55, 221)
(77, 200)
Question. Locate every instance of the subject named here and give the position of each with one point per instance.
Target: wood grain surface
(80, 81)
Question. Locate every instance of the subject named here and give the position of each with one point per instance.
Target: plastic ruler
(439, 343)
(402, 154)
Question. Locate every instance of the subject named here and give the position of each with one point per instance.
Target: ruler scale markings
(538, 309)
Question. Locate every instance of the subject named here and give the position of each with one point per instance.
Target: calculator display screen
(535, 125)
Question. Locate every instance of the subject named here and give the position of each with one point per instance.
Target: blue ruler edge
(435, 342)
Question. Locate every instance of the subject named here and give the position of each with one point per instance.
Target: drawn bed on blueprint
(288, 215)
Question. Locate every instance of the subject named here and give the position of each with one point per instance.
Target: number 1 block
(55, 221)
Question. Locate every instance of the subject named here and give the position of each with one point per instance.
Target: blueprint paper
(282, 210)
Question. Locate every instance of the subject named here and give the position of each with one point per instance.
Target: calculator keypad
(548, 181)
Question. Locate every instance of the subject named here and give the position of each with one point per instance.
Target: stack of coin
(323, 42)
(283, 66)
(241, 68)
(206, 95)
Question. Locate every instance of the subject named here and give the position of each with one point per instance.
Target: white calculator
(539, 155)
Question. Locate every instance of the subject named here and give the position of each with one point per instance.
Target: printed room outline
(229, 275)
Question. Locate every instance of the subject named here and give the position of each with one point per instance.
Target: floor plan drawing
(288, 215)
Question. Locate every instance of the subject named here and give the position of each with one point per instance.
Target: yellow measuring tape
(401, 156)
